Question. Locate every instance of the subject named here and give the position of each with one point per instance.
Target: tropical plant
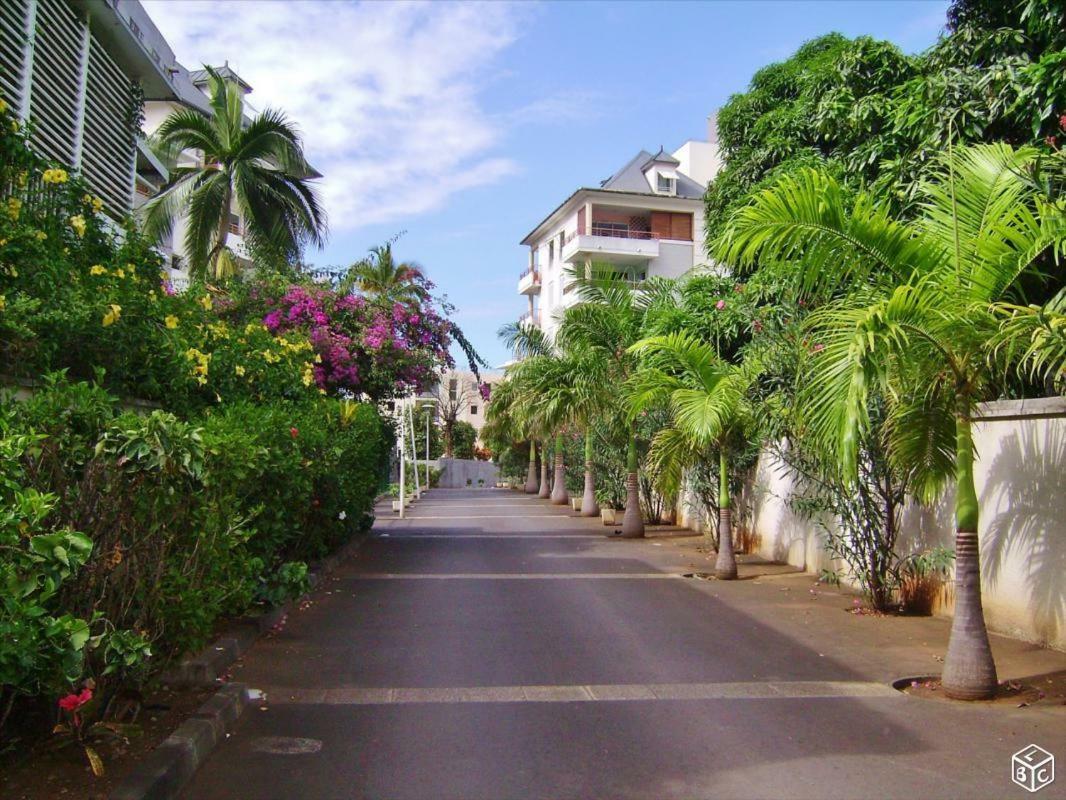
(605, 323)
(920, 328)
(1034, 337)
(379, 275)
(257, 166)
(707, 398)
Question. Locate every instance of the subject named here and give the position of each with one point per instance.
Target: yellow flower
(96, 269)
(151, 295)
(54, 176)
(41, 236)
(205, 301)
(239, 369)
(14, 207)
(3, 300)
(120, 273)
(78, 224)
(309, 374)
(3, 106)
(96, 203)
(112, 315)
(171, 321)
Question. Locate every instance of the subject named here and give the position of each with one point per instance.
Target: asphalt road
(492, 646)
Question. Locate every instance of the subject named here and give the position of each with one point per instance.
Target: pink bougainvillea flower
(720, 305)
(72, 702)
(294, 432)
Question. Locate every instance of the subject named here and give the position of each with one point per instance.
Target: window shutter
(681, 227)
(660, 224)
(107, 147)
(56, 78)
(13, 14)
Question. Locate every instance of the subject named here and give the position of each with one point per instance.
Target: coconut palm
(257, 166)
(709, 411)
(920, 328)
(606, 321)
(379, 275)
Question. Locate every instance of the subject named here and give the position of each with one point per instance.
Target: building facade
(645, 220)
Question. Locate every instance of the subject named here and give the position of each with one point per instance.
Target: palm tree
(920, 327)
(709, 410)
(1034, 337)
(258, 166)
(524, 341)
(379, 275)
(606, 322)
(502, 419)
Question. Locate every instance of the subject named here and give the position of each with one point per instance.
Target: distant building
(459, 392)
(645, 220)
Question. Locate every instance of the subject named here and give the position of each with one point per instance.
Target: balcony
(617, 244)
(531, 318)
(529, 281)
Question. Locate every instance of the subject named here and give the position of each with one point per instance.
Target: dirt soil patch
(1037, 690)
(42, 773)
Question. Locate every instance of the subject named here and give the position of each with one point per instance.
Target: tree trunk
(560, 497)
(449, 448)
(725, 568)
(531, 473)
(545, 489)
(223, 231)
(633, 521)
(589, 507)
(969, 670)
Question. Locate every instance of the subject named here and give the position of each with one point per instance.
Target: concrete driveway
(494, 646)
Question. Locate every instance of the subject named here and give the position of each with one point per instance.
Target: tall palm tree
(258, 166)
(525, 341)
(920, 327)
(709, 411)
(379, 275)
(606, 321)
(502, 418)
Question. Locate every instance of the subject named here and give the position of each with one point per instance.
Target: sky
(459, 126)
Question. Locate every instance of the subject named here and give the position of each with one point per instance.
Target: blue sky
(465, 124)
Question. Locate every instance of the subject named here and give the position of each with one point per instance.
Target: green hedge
(124, 537)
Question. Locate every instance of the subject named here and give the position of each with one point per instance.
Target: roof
(662, 157)
(631, 178)
(200, 77)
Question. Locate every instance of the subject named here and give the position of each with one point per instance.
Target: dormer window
(664, 183)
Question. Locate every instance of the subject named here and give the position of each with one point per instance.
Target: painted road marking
(508, 576)
(766, 690)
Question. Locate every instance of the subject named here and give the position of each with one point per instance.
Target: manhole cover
(286, 745)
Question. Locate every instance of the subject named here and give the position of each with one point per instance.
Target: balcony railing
(529, 281)
(530, 318)
(621, 232)
(534, 271)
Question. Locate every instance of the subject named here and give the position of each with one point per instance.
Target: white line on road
(507, 576)
(765, 690)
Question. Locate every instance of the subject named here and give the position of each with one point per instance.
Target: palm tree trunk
(632, 521)
(589, 507)
(223, 230)
(545, 488)
(725, 568)
(560, 496)
(531, 473)
(969, 670)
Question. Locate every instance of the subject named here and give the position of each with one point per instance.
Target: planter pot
(396, 505)
(575, 503)
(609, 516)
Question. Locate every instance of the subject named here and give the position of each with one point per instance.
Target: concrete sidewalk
(494, 646)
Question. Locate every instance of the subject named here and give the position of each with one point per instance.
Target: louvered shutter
(107, 144)
(681, 227)
(57, 66)
(13, 14)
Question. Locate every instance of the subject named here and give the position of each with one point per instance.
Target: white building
(645, 220)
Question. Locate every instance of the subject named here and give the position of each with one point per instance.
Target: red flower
(293, 432)
(1062, 122)
(72, 702)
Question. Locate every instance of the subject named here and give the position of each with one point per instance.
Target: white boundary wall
(1020, 474)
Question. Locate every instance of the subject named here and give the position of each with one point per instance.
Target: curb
(169, 767)
(164, 772)
(208, 667)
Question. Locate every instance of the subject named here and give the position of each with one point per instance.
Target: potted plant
(575, 503)
(610, 496)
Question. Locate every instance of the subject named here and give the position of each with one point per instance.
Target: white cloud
(386, 94)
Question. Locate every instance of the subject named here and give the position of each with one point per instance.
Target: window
(551, 252)
(453, 388)
(234, 224)
(664, 183)
(473, 411)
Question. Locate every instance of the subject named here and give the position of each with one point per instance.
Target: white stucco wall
(1020, 472)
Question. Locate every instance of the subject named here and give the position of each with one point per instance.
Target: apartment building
(645, 220)
(459, 393)
(77, 73)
